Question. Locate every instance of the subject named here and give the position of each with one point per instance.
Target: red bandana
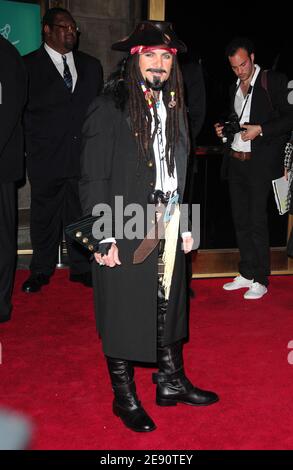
(143, 49)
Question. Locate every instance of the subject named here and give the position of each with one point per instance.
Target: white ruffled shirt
(164, 182)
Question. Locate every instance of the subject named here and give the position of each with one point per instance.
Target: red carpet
(53, 371)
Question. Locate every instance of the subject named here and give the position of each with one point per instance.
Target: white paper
(281, 188)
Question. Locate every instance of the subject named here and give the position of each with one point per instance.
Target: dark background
(208, 28)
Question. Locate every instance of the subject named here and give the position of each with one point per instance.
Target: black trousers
(7, 245)
(249, 199)
(55, 204)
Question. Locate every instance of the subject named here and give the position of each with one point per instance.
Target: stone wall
(102, 22)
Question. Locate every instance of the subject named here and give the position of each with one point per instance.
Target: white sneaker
(256, 291)
(238, 283)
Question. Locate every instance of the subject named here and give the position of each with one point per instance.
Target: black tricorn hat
(151, 33)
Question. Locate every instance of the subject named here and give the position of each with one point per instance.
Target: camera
(231, 126)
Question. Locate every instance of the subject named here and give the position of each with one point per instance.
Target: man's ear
(47, 29)
(252, 57)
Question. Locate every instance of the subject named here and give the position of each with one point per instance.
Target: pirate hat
(151, 33)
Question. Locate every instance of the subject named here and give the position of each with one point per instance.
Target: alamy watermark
(133, 221)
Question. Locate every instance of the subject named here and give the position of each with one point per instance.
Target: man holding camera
(255, 135)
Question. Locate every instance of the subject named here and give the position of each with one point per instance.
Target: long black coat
(126, 296)
(54, 116)
(13, 92)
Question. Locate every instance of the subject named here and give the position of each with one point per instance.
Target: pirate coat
(126, 295)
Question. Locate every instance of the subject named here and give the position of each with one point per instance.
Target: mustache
(157, 70)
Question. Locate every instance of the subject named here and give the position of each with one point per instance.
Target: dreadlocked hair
(141, 116)
(175, 83)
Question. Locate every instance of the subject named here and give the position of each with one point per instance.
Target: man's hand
(219, 128)
(187, 244)
(111, 259)
(250, 131)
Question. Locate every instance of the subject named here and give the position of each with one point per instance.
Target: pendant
(172, 103)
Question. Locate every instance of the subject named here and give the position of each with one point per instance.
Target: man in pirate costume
(136, 146)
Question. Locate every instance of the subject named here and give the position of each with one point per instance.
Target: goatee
(156, 84)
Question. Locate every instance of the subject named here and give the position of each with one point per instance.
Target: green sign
(20, 23)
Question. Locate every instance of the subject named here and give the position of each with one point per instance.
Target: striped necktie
(67, 74)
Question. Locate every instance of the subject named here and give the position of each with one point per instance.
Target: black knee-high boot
(172, 385)
(126, 404)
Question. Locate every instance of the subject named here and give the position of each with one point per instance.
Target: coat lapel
(79, 70)
(255, 102)
(52, 73)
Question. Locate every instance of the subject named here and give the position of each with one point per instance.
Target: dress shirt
(238, 144)
(57, 60)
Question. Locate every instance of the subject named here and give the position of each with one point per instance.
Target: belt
(240, 155)
(152, 239)
(156, 233)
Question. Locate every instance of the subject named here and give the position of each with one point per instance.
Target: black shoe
(83, 278)
(172, 384)
(176, 388)
(35, 282)
(126, 404)
(135, 419)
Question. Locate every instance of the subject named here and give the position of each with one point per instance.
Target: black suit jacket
(12, 100)
(54, 116)
(272, 111)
